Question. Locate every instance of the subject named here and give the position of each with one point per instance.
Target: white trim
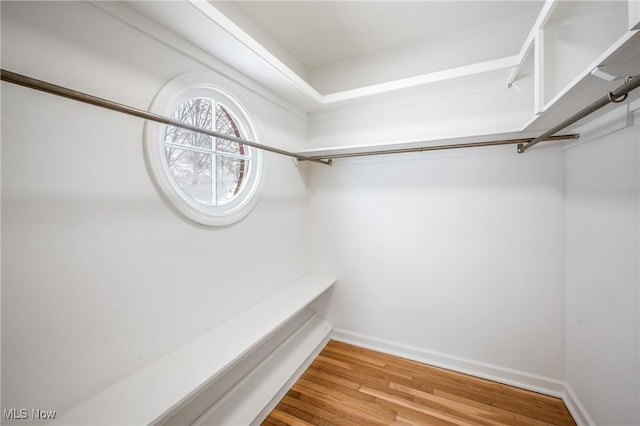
(634, 14)
(208, 10)
(173, 94)
(586, 72)
(422, 79)
(507, 376)
(151, 29)
(542, 19)
(575, 407)
(521, 58)
(539, 83)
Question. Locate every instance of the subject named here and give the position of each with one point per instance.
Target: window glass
(209, 179)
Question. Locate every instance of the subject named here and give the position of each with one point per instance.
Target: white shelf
(621, 58)
(150, 393)
(576, 34)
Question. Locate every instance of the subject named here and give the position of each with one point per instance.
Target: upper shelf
(575, 35)
(568, 36)
(567, 41)
(574, 39)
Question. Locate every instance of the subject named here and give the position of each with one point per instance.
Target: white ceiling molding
(201, 23)
(243, 37)
(321, 34)
(133, 18)
(225, 23)
(421, 80)
(544, 91)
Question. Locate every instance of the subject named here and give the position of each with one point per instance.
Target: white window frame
(172, 95)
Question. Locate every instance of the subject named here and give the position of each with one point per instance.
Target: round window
(210, 180)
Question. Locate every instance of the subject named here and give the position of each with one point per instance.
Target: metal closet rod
(618, 95)
(442, 147)
(43, 86)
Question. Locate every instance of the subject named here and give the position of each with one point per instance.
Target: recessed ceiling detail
(341, 46)
(318, 33)
(337, 57)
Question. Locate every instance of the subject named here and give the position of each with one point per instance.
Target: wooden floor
(348, 385)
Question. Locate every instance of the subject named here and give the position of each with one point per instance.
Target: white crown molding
(267, 67)
(137, 20)
(421, 80)
(201, 31)
(225, 23)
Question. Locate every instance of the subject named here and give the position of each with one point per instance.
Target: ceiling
(328, 56)
(341, 45)
(317, 33)
(330, 60)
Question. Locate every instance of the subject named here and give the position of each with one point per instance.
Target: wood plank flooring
(349, 385)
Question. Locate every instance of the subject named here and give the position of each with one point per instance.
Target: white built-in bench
(156, 393)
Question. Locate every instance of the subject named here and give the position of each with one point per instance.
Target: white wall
(458, 254)
(458, 108)
(98, 275)
(603, 277)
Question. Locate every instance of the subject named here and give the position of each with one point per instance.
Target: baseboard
(250, 398)
(575, 407)
(508, 376)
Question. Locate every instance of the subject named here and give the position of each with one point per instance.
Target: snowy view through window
(209, 170)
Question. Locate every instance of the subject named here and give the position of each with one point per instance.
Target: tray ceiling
(327, 55)
(318, 33)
